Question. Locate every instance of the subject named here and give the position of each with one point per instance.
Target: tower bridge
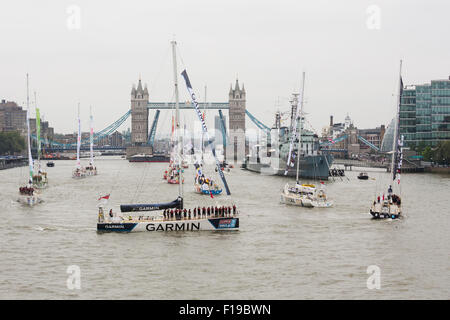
(142, 137)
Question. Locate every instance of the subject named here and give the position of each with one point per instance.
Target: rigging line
(158, 74)
(116, 178)
(162, 122)
(139, 183)
(181, 58)
(144, 176)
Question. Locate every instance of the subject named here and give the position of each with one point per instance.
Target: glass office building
(425, 114)
(388, 138)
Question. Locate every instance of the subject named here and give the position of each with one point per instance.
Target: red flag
(104, 197)
(210, 193)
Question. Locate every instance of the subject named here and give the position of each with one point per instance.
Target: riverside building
(425, 113)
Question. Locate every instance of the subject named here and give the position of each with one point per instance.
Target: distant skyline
(350, 51)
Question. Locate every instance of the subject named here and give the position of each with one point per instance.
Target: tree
(442, 153)
(427, 153)
(11, 142)
(420, 147)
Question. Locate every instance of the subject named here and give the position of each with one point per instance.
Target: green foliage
(420, 148)
(11, 142)
(427, 153)
(440, 155)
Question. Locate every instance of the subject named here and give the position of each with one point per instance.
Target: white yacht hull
(78, 175)
(295, 200)
(390, 211)
(29, 200)
(91, 172)
(322, 204)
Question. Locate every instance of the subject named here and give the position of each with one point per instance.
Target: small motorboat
(50, 164)
(363, 176)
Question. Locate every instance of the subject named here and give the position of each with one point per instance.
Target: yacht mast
(91, 138)
(79, 138)
(177, 116)
(300, 105)
(30, 158)
(204, 116)
(38, 131)
(395, 141)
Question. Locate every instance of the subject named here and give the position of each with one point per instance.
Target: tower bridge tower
(236, 122)
(139, 115)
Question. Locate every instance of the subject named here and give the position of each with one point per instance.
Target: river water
(280, 252)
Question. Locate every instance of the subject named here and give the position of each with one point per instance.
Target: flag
(104, 197)
(210, 193)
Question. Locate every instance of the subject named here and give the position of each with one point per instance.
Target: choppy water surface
(279, 253)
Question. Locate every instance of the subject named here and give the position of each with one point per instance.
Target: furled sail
(397, 156)
(205, 130)
(178, 203)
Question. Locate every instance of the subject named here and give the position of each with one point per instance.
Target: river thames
(280, 252)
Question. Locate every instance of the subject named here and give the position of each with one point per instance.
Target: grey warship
(314, 163)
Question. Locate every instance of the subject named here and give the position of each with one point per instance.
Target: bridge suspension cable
(97, 136)
(258, 123)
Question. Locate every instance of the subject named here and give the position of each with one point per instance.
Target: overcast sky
(350, 51)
